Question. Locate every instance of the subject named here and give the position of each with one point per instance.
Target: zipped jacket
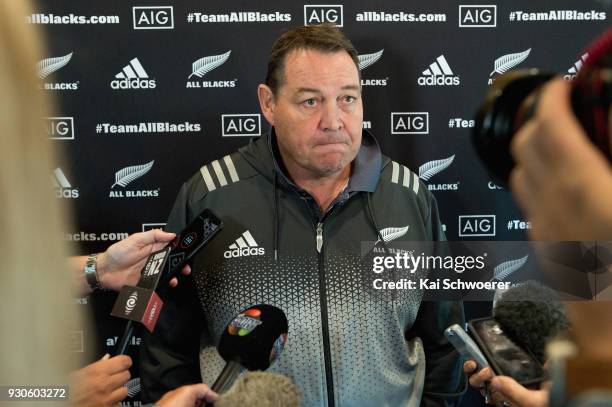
(347, 346)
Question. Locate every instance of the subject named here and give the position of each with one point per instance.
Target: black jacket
(347, 345)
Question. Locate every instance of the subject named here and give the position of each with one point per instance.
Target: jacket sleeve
(445, 382)
(169, 357)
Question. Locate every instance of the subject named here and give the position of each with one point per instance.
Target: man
(296, 205)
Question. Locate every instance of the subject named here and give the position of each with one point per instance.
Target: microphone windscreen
(261, 389)
(530, 315)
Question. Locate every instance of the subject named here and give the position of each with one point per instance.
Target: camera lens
(506, 107)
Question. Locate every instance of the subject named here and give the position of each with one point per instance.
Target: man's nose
(331, 117)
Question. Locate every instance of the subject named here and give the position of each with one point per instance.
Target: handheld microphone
(253, 340)
(141, 303)
(261, 389)
(530, 315)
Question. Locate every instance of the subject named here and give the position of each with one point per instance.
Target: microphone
(253, 340)
(261, 389)
(530, 315)
(141, 303)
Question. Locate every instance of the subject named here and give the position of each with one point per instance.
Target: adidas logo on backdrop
(439, 73)
(573, 71)
(245, 245)
(63, 188)
(133, 76)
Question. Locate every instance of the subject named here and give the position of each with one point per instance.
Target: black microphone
(253, 340)
(530, 315)
(141, 303)
(261, 389)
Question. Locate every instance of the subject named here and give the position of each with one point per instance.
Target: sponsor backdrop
(149, 92)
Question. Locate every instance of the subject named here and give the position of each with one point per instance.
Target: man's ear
(266, 102)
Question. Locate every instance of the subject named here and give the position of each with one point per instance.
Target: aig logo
(478, 16)
(153, 18)
(60, 128)
(476, 225)
(319, 14)
(235, 125)
(410, 123)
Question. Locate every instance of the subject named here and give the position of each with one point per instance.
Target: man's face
(317, 112)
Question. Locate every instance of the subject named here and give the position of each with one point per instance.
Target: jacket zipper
(329, 377)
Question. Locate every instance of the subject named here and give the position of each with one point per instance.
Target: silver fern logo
(129, 174)
(203, 66)
(507, 62)
(130, 304)
(507, 268)
(431, 168)
(133, 387)
(389, 234)
(366, 60)
(47, 66)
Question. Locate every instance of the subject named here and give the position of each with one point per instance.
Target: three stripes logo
(439, 73)
(573, 71)
(219, 173)
(133, 76)
(245, 245)
(401, 175)
(63, 188)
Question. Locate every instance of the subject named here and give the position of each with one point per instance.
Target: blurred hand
(477, 379)
(187, 396)
(122, 262)
(101, 383)
(561, 180)
(504, 388)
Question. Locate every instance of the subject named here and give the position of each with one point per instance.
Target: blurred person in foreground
(563, 183)
(36, 317)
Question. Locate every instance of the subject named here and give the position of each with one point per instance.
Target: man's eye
(349, 99)
(310, 102)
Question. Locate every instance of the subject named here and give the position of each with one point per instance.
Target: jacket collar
(263, 154)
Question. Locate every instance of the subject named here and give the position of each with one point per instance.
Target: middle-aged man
(296, 205)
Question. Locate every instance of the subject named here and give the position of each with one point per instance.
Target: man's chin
(331, 167)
